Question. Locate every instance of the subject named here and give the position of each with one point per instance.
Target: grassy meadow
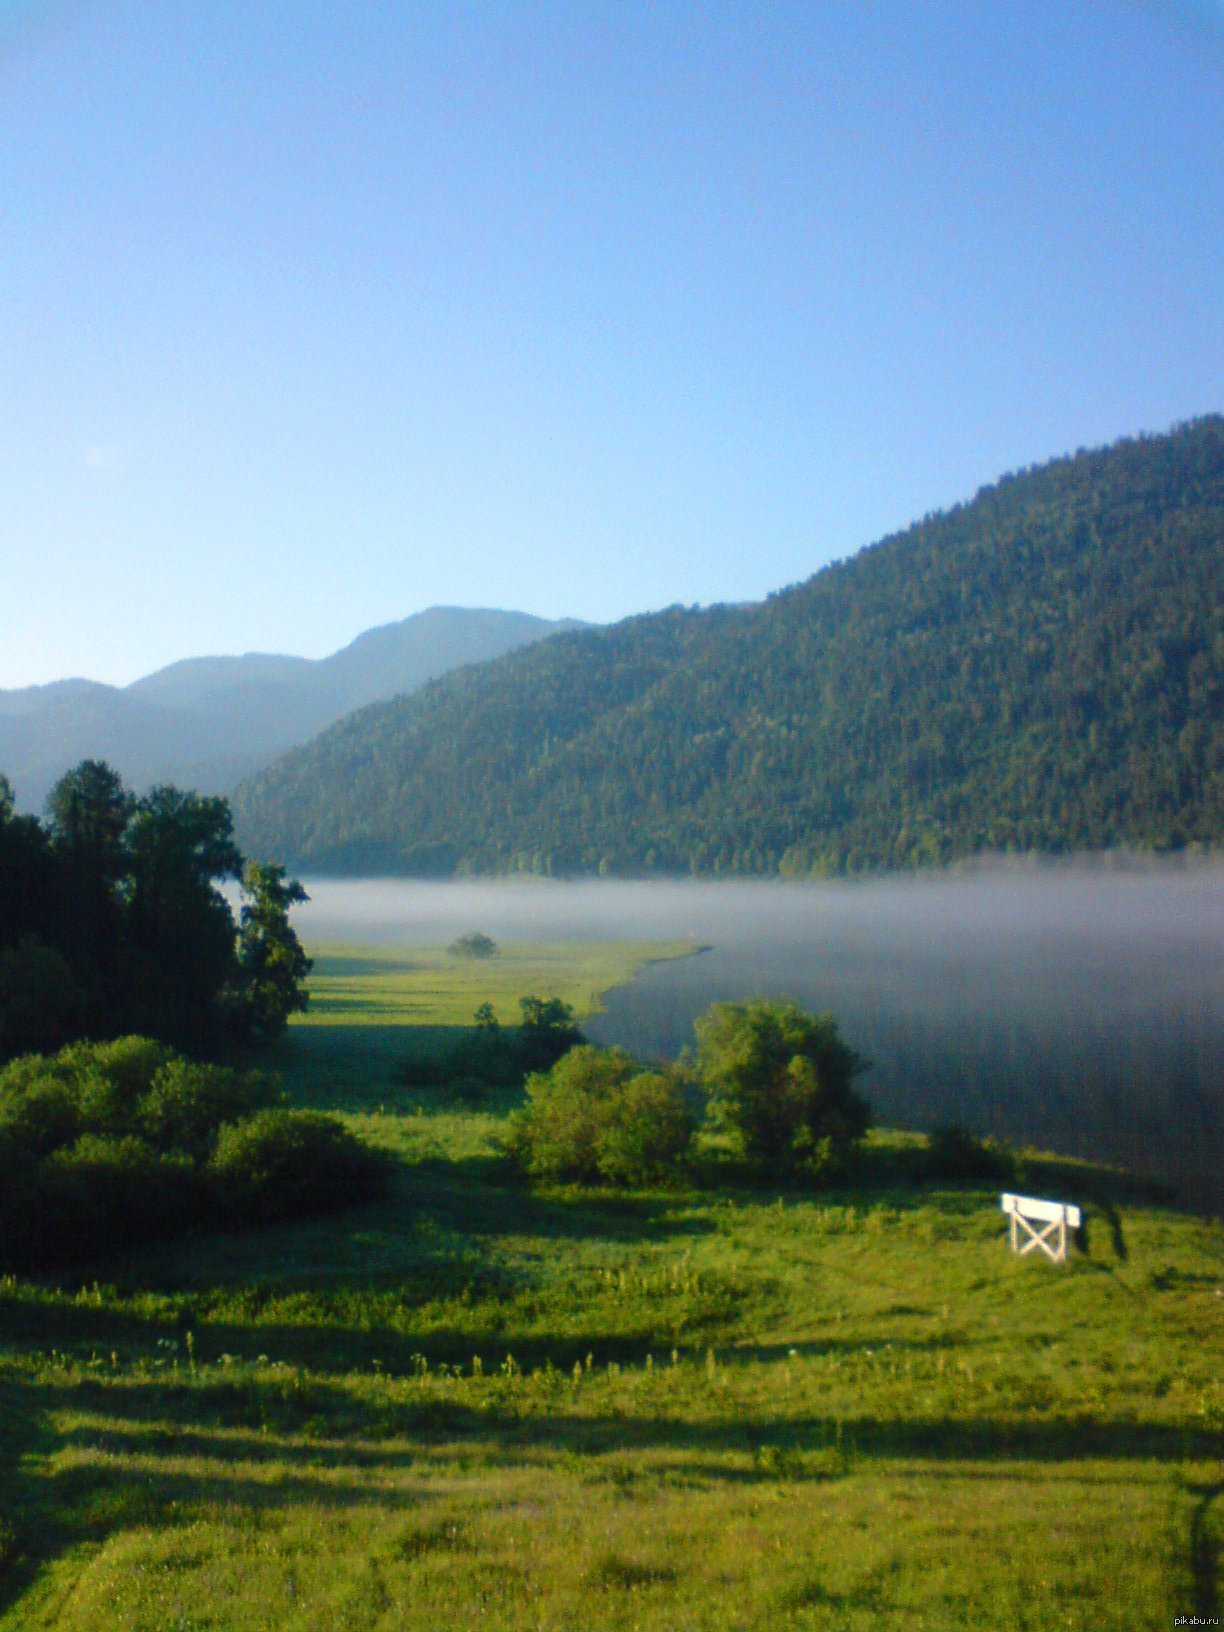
(706, 1407)
(371, 1009)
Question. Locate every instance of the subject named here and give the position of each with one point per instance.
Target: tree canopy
(112, 920)
(272, 967)
(782, 1080)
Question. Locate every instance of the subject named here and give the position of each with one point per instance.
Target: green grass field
(373, 1008)
(712, 1407)
(428, 986)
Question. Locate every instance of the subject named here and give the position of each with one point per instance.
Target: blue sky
(313, 316)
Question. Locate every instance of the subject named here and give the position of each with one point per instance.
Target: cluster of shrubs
(774, 1082)
(595, 1117)
(105, 1145)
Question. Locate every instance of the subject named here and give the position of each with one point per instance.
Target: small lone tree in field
(781, 1080)
(475, 944)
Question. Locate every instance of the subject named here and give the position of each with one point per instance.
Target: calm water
(1082, 1008)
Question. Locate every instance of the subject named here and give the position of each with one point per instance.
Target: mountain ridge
(204, 722)
(1039, 668)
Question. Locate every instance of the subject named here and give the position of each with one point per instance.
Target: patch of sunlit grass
(429, 986)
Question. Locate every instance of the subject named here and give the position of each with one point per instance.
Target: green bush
(39, 1112)
(593, 1117)
(556, 1135)
(282, 1164)
(111, 1192)
(488, 1056)
(111, 1080)
(648, 1132)
(187, 1104)
(109, 1144)
(546, 1032)
(780, 1080)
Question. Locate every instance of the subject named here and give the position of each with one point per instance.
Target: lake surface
(1077, 1007)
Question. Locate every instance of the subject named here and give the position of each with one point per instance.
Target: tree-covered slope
(1041, 668)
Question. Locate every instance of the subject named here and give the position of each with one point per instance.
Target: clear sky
(313, 315)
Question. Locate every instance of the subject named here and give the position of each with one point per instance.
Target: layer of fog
(1073, 1006)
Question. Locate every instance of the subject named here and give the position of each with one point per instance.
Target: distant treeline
(1040, 669)
(111, 921)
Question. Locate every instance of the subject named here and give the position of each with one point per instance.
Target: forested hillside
(1040, 669)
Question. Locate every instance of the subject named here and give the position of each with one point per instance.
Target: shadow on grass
(1205, 1554)
(437, 1211)
(518, 1422)
(372, 1004)
(30, 1525)
(361, 1277)
(355, 966)
(345, 1067)
(44, 1513)
(88, 1337)
(267, 1443)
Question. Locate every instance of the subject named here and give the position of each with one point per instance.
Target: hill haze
(206, 722)
(1038, 669)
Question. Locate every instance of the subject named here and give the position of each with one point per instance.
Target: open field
(710, 1407)
(429, 986)
(373, 1008)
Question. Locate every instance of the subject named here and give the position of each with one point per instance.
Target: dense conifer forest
(1039, 669)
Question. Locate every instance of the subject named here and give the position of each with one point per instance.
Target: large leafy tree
(113, 918)
(89, 810)
(180, 848)
(272, 967)
(27, 871)
(782, 1080)
(41, 1002)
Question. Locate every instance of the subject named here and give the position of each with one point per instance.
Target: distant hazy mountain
(1040, 669)
(208, 721)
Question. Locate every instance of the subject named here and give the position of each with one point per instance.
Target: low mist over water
(1075, 1006)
